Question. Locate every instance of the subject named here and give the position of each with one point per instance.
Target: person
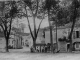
(45, 48)
(68, 47)
(32, 49)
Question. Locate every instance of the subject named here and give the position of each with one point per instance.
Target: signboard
(2, 14)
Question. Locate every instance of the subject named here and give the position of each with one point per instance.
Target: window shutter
(77, 45)
(79, 34)
(68, 33)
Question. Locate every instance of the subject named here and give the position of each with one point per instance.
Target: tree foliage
(70, 13)
(11, 11)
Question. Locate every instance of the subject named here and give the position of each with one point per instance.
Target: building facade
(62, 33)
(17, 39)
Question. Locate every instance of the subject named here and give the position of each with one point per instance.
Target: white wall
(60, 34)
(39, 39)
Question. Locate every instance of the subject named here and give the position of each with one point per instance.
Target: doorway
(68, 47)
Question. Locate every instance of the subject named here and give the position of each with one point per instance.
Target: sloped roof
(18, 31)
(15, 29)
(69, 25)
(23, 34)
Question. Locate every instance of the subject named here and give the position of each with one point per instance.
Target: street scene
(39, 29)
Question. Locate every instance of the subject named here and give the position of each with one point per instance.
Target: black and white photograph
(39, 29)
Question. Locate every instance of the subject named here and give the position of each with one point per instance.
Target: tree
(69, 12)
(74, 14)
(32, 9)
(6, 21)
(63, 17)
(49, 6)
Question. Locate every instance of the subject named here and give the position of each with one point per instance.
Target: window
(77, 34)
(68, 33)
(77, 45)
(43, 34)
(12, 41)
(74, 36)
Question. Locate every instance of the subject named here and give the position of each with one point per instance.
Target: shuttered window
(77, 45)
(68, 33)
(77, 34)
(74, 35)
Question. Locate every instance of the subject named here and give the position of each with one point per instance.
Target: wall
(15, 41)
(24, 40)
(39, 39)
(2, 44)
(60, 33)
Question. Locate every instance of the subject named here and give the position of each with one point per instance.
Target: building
(40, 39)
(25, 42)
(17, 38)
(63, 32)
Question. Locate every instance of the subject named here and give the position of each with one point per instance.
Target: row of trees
(58, 11)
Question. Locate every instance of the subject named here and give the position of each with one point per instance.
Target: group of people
(42, 48)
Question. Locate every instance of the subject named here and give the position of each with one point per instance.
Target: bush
(62, 39)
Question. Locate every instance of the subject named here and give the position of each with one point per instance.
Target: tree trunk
(51, 38)
(7, 45)
(34, 42)
(72, 28)
(70, 36)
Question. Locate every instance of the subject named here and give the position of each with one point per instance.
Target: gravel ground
(24, 54)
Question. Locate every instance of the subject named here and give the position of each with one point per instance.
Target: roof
(23, 34)
(16, 29)
(69, 25)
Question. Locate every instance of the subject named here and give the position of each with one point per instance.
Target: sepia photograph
(39, 29)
